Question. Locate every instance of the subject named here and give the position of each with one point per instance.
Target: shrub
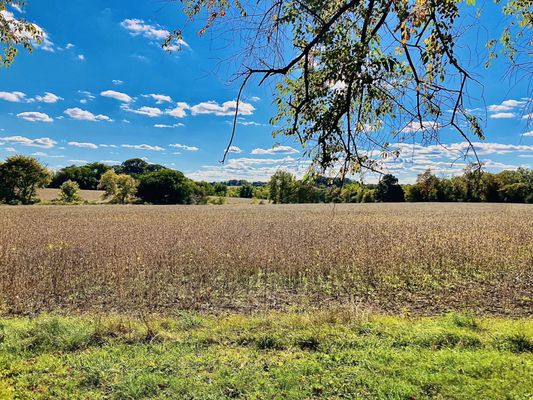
(69, 192)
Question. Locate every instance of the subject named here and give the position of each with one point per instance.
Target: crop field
(53, 194)
(254, 301)
(409, 258)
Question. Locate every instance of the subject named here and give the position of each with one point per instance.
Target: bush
(68, 192)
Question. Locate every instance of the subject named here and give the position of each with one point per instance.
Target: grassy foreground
(341, 354)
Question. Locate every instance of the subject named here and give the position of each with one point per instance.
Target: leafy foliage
(86, 176)
(353, 75)
(20, 177)
(69, 192)
(167, 187)
(120, 188)
(15, 32)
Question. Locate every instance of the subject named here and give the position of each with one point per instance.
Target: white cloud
(178, 111)
(48, 98)
(234, 149)
(81, 57)
(117, 82)
(275, 150)
(83, 145)
(142, 147)
(44, 143)
(111, 162)
(163, 126)
(18, 8)
(159, 98)
(13, 97)
(10, 150)
(42, 154)
(34, 116)
(503, 115)
(87, 94)
(139, 27)
(530, 133)
(416, 126)
(255, 98)
(147, 111)
(227, 108)
(78, 161)
(20, 32)
(79, 114)
(69, 46)
(184, 147)
(117, 96)
(528, 116)
(506, 105)
(252, 169)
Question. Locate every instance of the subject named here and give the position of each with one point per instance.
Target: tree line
(137, 181)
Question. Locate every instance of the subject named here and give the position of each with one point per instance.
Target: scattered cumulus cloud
(184, 147)
(44, 143)
(84, 115)
(178, 111)
(48, 98)
(164, 126)
(234, 149)
(275, 150)
(34, 116)
(117, 82)
(227, 108)
(530, 133)
(83, 145)
(13, 97)
(117, 96)
(416, 126)
(159, 98)
(503, 115)
(138, 27)
(17, 27)
(146, 111)
(142, 147)
(81, 57)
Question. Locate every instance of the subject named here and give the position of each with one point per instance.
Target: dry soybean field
(411, 258)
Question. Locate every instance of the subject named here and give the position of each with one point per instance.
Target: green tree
(349, 66)
(120, 188)
(169, 187)
(219, 189)
(281, 186)
(86, 176)
(133, 166)
(20, 177)
(15, 32)
(69, 191)
(388, 189)
(246, 191)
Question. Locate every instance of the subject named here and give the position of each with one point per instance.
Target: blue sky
(100, 88)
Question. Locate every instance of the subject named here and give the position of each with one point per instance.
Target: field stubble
(412, 258)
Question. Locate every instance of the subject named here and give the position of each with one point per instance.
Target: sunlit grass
(329, 354)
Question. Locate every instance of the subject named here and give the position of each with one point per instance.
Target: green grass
(326, 355)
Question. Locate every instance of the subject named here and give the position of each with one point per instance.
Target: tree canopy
(20, 177)
(353, 75)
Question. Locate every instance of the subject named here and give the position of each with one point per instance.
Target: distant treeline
(137, 181)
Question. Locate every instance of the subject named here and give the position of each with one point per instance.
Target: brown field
(53, 194)
(409, 258)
